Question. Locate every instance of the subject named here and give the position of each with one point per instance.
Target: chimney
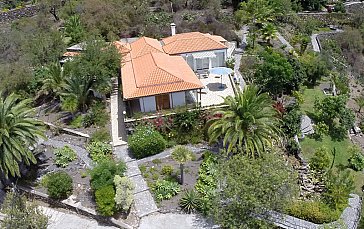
(173, 29)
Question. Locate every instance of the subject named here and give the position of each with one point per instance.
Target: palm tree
(249, 123)
(74, 29)
(182, 155)
(78, 89)
(269, 32)
(18, 132)
(55, 82)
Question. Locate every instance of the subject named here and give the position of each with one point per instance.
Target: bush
(321, 159)
(99, 151)
(167, 170)
(104, 172)
(105, 200)
(64, 156)
(124, 193)
(190, 202)
(165, 190)
(97, 115)
(59, 185)
(356, 161)
(146, 142)
(313, 211)
(77, 122)
(102, 135)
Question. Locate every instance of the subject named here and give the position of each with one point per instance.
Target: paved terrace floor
(213, 93)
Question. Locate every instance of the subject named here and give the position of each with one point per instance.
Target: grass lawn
(309, 97)
(309, 146)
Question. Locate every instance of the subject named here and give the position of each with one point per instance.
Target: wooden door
(162, 101)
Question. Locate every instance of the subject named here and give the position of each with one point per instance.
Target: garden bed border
(31, 193)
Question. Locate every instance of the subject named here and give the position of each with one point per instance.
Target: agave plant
(190, 202)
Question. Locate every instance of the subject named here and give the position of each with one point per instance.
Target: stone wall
(349, 219)
(27, 11)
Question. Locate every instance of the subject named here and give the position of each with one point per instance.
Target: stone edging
(72, 207)
(349, 218)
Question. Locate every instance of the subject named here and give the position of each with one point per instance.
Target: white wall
(211, 64)
(177, 99)
(147, 104)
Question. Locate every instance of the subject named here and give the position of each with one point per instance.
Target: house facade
(157, 75)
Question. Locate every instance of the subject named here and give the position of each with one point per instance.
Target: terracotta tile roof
(192, 42)
(70, 54)
(122, 47)
(157, 73)
(145, 45)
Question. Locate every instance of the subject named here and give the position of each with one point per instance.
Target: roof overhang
(201, 55)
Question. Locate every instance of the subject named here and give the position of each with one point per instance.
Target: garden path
(81, 153)
(65, 220)
(143, 199)
(117, 116)
(175, 221)
(238, 54)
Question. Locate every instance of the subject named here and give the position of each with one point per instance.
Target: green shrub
(101, 135)
(167, 170)
(59, 185)
(313, 211)
(165, 190)
(321, 159)
(146, 142)
(99, 151)
(105, 200)
(156, 161)
(97, 115)
(190, 202)
(64, 156)
(77, 122)
(124, 193)
(104, 172)
(142, 168)
(356, 161)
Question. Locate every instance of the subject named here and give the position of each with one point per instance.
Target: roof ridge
(163, 68)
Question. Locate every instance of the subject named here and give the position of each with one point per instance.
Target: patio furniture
(221, 71)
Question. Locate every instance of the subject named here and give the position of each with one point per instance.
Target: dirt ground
(76, 169)
(190, 176)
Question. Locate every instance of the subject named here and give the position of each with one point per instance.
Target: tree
(275, 74)
(74, 29)
(249, 122)
(55, 81)
(18, 132)
(247, 188)
(21, 214)
(312, 4)
(269, 32)
(181, 155)
(89, 72)
(292, 121)
(333, 112)
(360, 102)
(314, 67)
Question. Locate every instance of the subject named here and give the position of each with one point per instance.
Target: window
(220, 59)
(202, 63)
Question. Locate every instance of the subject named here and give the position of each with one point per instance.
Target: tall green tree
(333, 112)
(248, 187)
(74, 29)
(18, 132)
(276, 75)
(181, 155)
(249, 123)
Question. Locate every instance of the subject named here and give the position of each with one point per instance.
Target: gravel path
(81, 153)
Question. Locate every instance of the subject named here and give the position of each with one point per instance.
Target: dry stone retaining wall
(27, 11)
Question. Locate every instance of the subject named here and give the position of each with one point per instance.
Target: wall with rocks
(349, 219)
(27, 11)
